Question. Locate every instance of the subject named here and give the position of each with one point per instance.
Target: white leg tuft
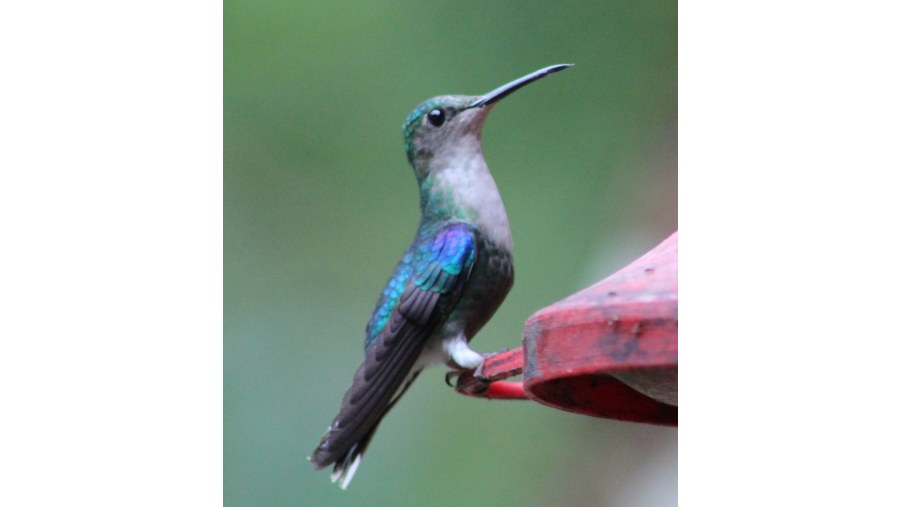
(457, 349)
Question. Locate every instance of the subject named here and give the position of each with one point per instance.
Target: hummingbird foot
(467, 381)
(464, 360)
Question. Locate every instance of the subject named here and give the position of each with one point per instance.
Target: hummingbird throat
(465, 191)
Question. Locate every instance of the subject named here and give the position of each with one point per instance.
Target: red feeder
(610, 350)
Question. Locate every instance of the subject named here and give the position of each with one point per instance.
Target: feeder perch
(610, 350)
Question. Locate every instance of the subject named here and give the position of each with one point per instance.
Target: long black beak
(512, 86)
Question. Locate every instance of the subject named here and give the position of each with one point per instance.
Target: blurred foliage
(320, 202)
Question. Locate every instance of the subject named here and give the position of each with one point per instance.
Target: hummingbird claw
(451, 375)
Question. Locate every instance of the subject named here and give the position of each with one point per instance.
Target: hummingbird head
(442, 129)
(439, 128)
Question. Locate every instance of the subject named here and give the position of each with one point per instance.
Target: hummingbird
(450, 280)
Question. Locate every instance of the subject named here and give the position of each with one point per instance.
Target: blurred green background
(320, 203)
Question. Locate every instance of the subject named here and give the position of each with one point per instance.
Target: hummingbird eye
(437, 117)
